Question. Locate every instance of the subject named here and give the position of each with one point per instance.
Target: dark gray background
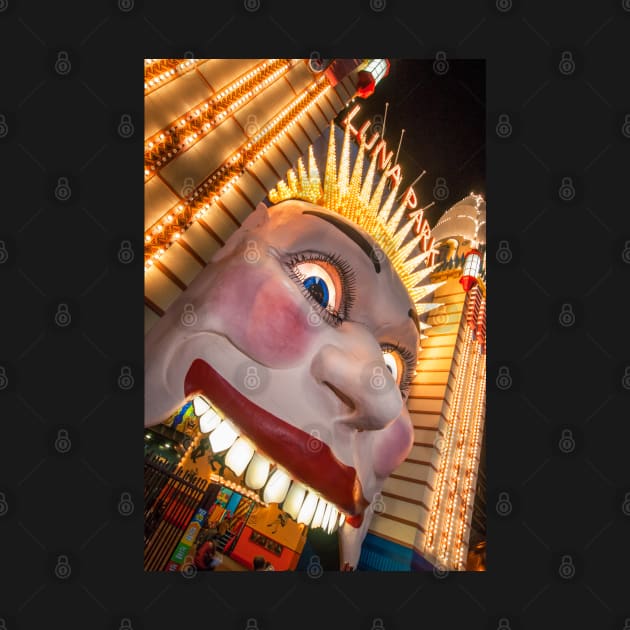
(557, 434)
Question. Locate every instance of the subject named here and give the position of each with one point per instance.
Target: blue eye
(327, 283)
(319, 283)
(318, 288)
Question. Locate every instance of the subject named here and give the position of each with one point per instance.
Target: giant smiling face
(305, 339)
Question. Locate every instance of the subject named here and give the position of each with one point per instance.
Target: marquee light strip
(444, 551)
(178, 219)
(159, 72)
(455, 483)
(237, 487)
(447, 450)
(184, 132)
(473, 457)
(473, 463)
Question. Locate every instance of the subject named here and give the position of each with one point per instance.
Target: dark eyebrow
(414, 315)
(351, 233)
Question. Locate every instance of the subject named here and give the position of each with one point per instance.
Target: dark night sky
(444, 121)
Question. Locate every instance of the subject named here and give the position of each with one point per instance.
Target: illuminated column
(447, 527)
(469, 480)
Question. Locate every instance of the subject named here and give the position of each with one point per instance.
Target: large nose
(351, 366)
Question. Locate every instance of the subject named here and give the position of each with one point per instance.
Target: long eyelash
(410, 365)
(346, 275)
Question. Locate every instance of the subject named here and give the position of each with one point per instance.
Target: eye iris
(318, 289)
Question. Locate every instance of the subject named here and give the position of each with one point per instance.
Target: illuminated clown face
(305, 339)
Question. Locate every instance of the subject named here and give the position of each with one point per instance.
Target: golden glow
(162, 147)
(447, 450)
(159, 72)
(474, 445)
(455, 495)
(228, 174)
(448, 527)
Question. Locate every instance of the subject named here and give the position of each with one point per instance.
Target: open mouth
(285, 464)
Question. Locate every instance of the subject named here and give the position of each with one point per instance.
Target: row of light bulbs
(173, 224)
(171, 69)
(237, 487)
(475, 445)
(193, 445)
(446, 550)
(466, 491)
(481, 323)
(453, 484)
(475, 312)
(441, 483)
(472, 310)
(163, 146)
(438, 495)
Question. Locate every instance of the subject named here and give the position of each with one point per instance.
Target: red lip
(305, 457)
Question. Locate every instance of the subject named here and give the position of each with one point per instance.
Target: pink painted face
(301, 334)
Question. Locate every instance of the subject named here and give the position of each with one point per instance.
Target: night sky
(444, 121)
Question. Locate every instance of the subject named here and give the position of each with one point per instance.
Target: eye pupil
(318, 289)
(389, 367)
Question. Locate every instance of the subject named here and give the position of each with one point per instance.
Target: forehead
(381, 299)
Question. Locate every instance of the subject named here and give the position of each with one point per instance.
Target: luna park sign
(377, 146)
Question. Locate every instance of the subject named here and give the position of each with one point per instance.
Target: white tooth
(257, 472)
(209, 420)
(319, 514)
(239, 456)
(327, 514)
(277, 487)
(294, 500)
(308, 509)
(342, 518)
(223, 437)
(200, 406)
(332, 522)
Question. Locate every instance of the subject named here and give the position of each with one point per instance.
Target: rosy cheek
(280, 332)
(262, 316)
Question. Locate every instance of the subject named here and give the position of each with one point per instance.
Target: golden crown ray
(346, 192)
